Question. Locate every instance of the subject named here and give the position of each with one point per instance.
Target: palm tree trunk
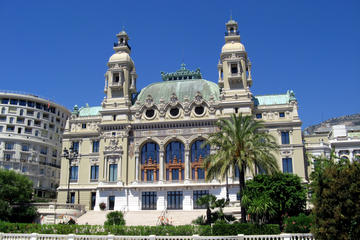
(242, 186)
(227, 188)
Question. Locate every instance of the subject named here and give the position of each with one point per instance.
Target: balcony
(115, 84)
(234, 33)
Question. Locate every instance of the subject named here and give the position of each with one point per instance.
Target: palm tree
(240, 142)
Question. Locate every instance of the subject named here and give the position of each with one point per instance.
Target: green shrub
(298, 224)
(115, 218)
(225, 229)
(219, 228)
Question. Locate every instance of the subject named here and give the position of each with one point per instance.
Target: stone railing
(35, 236)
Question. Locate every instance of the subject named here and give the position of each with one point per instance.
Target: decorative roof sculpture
(182, 74)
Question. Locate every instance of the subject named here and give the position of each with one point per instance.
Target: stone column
(351, 154)
(187, 165)
(126, 83)
(137, 167)
(243, 74)
(119, 169)
(161, 167)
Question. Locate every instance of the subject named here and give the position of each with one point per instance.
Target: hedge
(218, 229)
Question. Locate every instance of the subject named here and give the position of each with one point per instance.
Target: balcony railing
(232, 33)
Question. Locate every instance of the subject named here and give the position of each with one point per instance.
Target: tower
(234, 66)
(120, 78)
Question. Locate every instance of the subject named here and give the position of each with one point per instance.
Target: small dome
(120, 57)
(233, 46)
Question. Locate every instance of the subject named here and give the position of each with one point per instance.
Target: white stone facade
(141, 150)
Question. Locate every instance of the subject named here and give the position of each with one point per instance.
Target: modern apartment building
(31, 130)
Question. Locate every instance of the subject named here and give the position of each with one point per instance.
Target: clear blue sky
(59, 49)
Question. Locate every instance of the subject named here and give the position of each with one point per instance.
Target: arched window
(198, 153)
(175, 161)
(21, 112)
(150, 162)
(3, 109)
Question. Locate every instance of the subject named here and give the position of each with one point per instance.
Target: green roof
(275, 99)
(188, 88)
(89, 111)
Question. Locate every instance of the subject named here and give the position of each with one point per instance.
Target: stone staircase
(146, 218)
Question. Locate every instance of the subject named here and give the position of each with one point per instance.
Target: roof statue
(181, 74)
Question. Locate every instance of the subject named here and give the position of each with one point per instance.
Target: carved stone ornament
(113, 145)
(186, 106)
(173, 98)
(198, 97)
(149, 100)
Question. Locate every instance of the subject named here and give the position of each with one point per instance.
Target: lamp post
(69, 155)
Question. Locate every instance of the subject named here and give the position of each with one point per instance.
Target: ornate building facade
(31, 130)
(140, 151)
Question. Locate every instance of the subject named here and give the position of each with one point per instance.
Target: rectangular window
(174, 200)
(9, 146)
(22, 103)
(25, 147)
(95, 147)
(72, 197)
(234, 69)
(258, 116)
(13, 101)
(10, 128)
(20, 120)
(74, 173)
(8, 156)
(1, 128)
(2, 119)
(111, 202)
(148, 201)
(113, 172)
(37, 123)
(28, 130)
(94, 172)
(5, 101)
(30, 104)
(287, 165)
(175, 174)
(198, 194)
(43, 150)
(285, 139)
(75, 146)
(93, 200)
(282, 114)
(29, 112)
(83, 125)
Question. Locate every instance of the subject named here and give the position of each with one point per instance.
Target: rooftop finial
(231, 14)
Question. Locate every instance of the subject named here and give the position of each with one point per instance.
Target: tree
(241, 142)
(15, 196)
(335, 190)
(115, 218)
(260, 207)
(270, 197)
(210, 203)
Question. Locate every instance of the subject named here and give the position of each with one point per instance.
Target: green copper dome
(182, 88)
(184, 83)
